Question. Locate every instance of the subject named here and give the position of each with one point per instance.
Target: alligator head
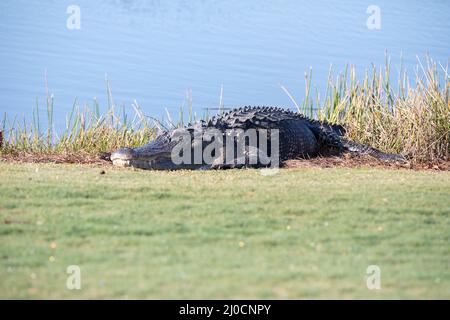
(156, 155)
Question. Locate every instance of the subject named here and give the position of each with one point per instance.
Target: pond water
(157, 51)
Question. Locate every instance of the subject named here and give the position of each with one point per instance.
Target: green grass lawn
(304, 233)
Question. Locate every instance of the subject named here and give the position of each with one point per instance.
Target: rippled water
(154, 51)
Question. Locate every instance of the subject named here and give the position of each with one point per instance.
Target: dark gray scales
(299, 137)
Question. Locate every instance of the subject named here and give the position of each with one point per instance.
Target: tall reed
(408, 117)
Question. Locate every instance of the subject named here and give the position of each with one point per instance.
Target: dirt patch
(356, 161)
(15, 222)
(76, 158)
(346, 160)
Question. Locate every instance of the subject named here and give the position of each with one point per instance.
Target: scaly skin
(299, 137)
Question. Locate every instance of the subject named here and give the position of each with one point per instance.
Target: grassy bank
(304, 233)
(387, 110)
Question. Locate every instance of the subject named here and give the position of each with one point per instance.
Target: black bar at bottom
(225, 309)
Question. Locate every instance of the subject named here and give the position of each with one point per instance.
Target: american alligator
(298, 137)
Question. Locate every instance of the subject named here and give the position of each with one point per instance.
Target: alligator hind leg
(297, 141)
(330, 139)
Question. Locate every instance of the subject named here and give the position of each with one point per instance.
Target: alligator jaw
(121, 162)
(137, 163)
(127, 157)
(122, 157)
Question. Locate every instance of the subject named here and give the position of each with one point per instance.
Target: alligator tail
(365, 149)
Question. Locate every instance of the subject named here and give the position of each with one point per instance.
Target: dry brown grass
(56, 157)
(347, 160)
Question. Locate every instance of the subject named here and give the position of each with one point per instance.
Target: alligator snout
(122, 157)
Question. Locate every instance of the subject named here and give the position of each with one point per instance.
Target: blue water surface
(157, 51)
